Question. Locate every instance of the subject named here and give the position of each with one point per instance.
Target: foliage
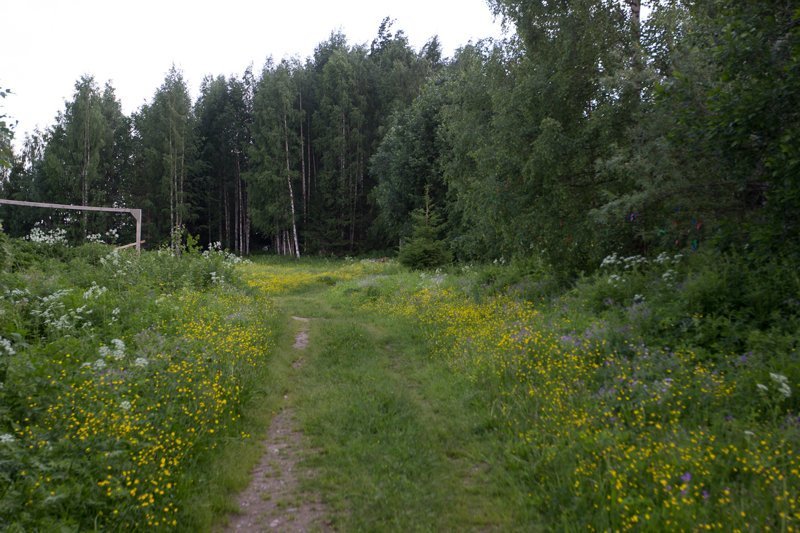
(424, 250)
(121, 376)
(648, 396)
(6, 134)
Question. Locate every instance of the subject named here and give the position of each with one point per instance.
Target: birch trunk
(289, 182)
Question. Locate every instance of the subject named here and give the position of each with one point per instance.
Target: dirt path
(272, 501)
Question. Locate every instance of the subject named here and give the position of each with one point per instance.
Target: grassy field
(134, 390)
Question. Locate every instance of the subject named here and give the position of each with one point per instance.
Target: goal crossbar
(137, 213)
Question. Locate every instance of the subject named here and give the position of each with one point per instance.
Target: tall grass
(120, 377)
(658, 393)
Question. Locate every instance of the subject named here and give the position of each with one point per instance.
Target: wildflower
(7, 438)
(785, 390)
(52, 237)
(94, 291)
(762, 387)
(610, 261)
(783, 384)
(119, 346)
(638, 298)
(141, 362)
(100, 364)
(5, 344)
(125, 405)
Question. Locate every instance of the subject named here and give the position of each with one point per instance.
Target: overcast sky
(48, 44)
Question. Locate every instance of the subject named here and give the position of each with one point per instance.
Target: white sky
(48, 44)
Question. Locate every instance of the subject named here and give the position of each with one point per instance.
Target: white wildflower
(7, 438)
(634, 261)
(94, 291)
(783, 384)
(662, 258)
(778, 378)
(125, 405)
(100, 364)
(112, 235)
(141, 362)
(5, 344)
(117, 352)
(785, 390)
(51, 237)
(610, 261)
(762, 387)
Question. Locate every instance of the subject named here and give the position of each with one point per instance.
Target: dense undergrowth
(120, 378)
(657, 393)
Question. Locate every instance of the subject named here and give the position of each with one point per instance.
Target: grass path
(272, 500)
(395, 441)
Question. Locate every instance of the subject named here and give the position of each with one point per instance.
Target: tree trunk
(227, 242)
(303, 164)
(636, 16)
(289, 182)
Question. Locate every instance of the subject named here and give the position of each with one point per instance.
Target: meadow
(121, 377)
(656, 394)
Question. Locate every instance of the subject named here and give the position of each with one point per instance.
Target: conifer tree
(425, 249)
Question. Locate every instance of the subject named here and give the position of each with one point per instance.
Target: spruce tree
(425, 249)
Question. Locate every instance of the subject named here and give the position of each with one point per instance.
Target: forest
(587, 131)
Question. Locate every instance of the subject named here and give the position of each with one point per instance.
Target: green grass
(401, 443)
(659, 396)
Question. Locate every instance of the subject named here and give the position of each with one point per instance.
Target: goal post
(137, 214)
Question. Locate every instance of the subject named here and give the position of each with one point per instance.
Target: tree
(163, 148)
(277, 154)
(219, 191)
(6, 135)
(425, 250)
(406, 164)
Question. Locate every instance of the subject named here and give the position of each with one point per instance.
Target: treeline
(281, 158)
(587, 131)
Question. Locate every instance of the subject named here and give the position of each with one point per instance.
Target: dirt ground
(272, 501)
